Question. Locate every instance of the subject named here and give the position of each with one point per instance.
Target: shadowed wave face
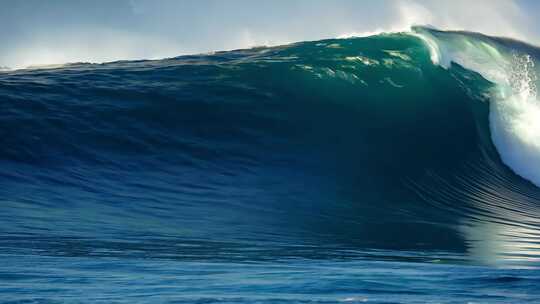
(338, 154)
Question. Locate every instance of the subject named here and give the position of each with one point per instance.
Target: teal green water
(397, 168)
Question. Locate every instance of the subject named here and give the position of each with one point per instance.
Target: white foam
(515, 121)
(515, 108)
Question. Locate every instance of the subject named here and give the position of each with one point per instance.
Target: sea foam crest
(515, 108)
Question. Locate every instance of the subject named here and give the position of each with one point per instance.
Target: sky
(36, 32)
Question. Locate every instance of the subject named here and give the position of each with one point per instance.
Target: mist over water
(58, 32)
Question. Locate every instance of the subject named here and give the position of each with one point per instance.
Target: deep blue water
(347, 170)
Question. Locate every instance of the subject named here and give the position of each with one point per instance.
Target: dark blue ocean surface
(348, 170)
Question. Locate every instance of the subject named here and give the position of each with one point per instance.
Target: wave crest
(515, 110)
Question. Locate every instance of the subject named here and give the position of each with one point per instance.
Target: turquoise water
(397, 168)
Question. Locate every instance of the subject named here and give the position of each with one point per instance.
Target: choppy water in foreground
(397, 168)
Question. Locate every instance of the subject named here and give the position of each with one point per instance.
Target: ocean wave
(341, 142)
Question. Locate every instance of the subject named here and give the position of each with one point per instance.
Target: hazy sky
(59, 31)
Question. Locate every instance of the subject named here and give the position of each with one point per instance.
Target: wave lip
(515, 110)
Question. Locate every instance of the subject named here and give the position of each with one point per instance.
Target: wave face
(348, 155)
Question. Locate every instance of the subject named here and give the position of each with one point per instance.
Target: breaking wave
(337, 144)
